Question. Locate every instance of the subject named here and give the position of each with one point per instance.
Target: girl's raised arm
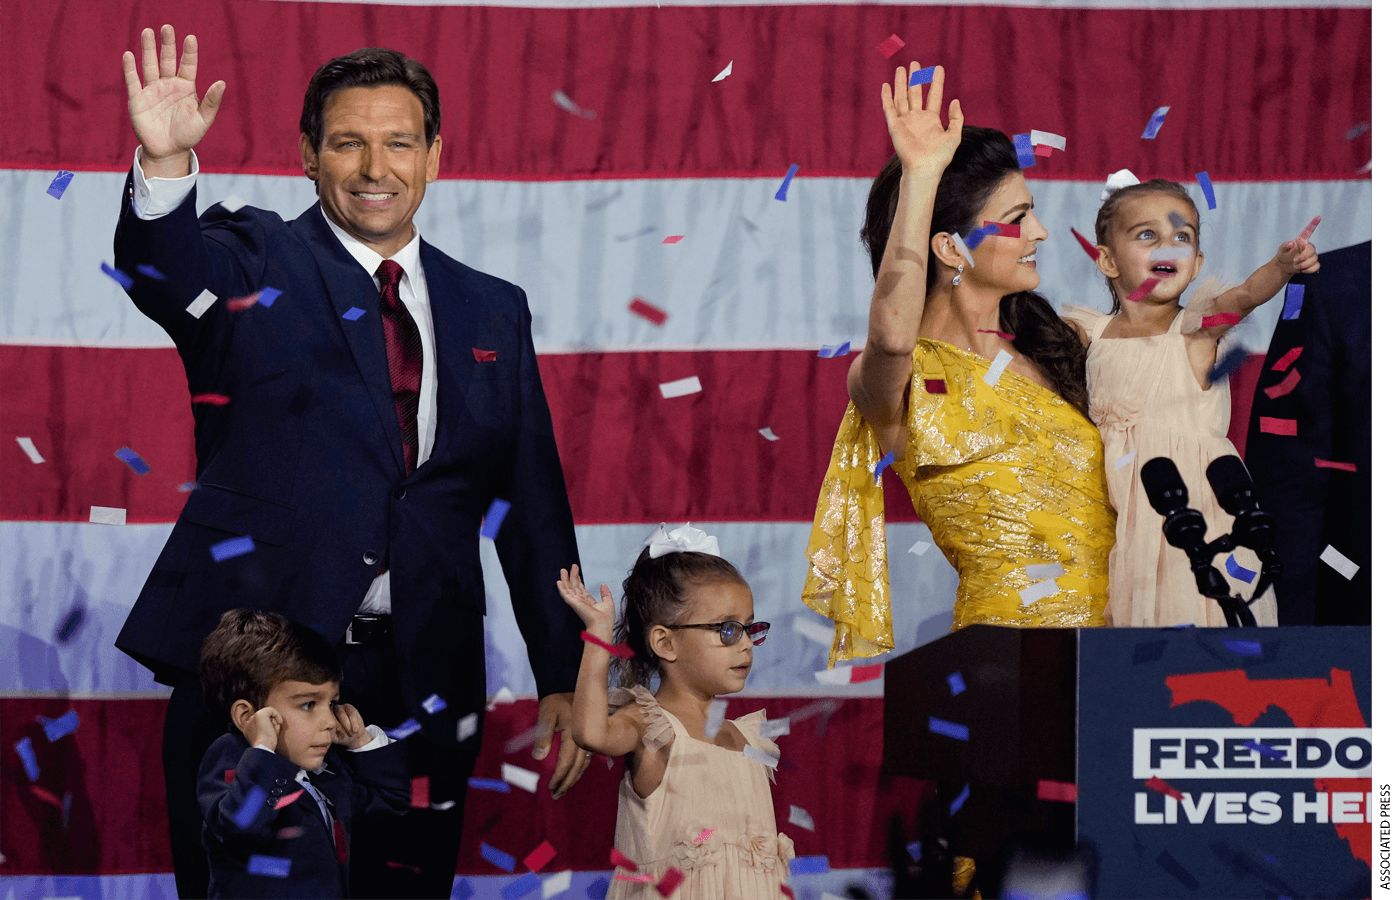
(593, 729)
(1297, 255)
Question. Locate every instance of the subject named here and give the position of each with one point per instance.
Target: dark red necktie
(405, 349)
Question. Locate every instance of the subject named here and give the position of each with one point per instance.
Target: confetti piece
(978, 235)
(502, 696)
(27, 445)
(775, 728)
(1048, 139)
(118, 276)
(233, 203)
(1162, 787)
(342, 849)
(65, 724)
(1177, 870)
(638, 879)
(619, 650)
(520, 886)
(268, 296)
(271, 866)
(521, 778)
(728, 70)
(963, 249)
(816, 632)
(186, 487)
(956, 683)
(150, 272)
(229, 775)
(923, 76)
(1045, 570)
(1003, 229)
(1057, 791)
(419, 792)
(1004, 335)
(1265, 750)
(920, 548)
(782, 190)
(760, 757)
(935, 386)
(714, 720)
(1038, 591)
(616, 858)
(652, 314)
(201, 304)
(539, 857)
(959, 800)
(287, 800)
(1043, 150)
(1336, 560)
(890, 45)
(1243, 648)
(1329, 464)
(71, 623)
(1287, 360)
(916, 850)
(1220, 319)
(809, 865)
(466, 727)
(489, 784)
(1227, 364)
(1357, 130)
(1207, 188)
(483, 356)
(801, 818)
(787, 891)
(353, 314)
(134, 460)
(557, 883)
(252, 802)
(1268, 858)
(45, 795)
(673, 239)
(669, 882)
(211, 399)
(1003, 359)
(1292, 301)
(434, 704)
(404, 730)
(238, 304)
(562, 100)
(884, 463)
(680, 387)
(491, 523)
(1025, 153)
(26, 753)
(1148, 652)
(1285, 386)
(1155, 123)
(704, 836)
(1166, 254)
(230, 548)
(1270, 425)
(829, 351)
(107, 515)
(498, 858)
(1088, 247)
(947, 729)
(1144, 289)
(768, 434)
(1124, 459)
(849, 674)
(59, 184)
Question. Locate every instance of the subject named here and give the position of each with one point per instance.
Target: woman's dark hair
(368, 67)
(984, 159)
(250, 652)
(655, 593)
(1104, 221)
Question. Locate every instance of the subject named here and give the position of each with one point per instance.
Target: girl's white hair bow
(684, 539)
(1120, 179)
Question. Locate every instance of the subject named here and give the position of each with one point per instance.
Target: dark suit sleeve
(221, 802)
(537, 539)
(381, 779)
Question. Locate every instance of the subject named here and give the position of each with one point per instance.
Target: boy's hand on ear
(263, 727)
(350, 727)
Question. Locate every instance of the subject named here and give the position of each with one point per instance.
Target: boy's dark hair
(1104, 221)
(250, 652)
(368, 67)
(984, 159)
(655, 594)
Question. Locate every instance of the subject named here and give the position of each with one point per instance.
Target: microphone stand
(1186, 528)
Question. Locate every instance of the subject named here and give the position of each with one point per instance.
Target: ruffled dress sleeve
(751, 727)
(659, 732)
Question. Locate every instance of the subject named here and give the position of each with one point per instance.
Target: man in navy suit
(380, 397)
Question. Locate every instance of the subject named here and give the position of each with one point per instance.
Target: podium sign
(1219, 762)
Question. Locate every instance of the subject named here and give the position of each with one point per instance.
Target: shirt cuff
(377, 739)
(152, 198)
(263, 747)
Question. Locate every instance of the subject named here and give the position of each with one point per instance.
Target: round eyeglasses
(731, 631)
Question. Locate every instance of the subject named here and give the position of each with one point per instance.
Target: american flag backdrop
(578, 138)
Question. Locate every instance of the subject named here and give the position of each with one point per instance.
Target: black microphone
(1253, 527)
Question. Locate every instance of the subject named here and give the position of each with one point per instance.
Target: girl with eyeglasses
(695, 797)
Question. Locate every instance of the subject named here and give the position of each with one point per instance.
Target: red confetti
(1287, 359)
(420, 793)
(619, 650)
(673, 239)
(229, 775)
(1285, 386)
(290, 833)
(616, 858)
(935, 385)
(1043, 149)
(1329, 464)
(539, 857)
(211, 399)
(1060, 791)
(866, 673)
(1162, 787)
(636, 879)
(398, 865)
(1088, 247)
(1269, 425)
(289, 799)
(342, 850)
(1220, 319)
(669, 882)
(1004, 229)
(890, 45)
(238, 304)
(46, 795)
(1143, 289)
(1004, 335)
(787, 891)
(652, 314)
(484, 355)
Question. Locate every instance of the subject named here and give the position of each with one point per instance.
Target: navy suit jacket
(356, 784)
(306, 457)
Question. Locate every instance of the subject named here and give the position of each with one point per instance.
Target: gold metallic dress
(1005, 476)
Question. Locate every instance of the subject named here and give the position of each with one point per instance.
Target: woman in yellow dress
(975, 388)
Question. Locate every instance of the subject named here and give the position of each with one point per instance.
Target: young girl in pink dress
(1150, 393)
(695, 797)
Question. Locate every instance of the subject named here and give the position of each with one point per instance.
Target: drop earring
(957, 279)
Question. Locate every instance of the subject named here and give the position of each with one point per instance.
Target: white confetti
(920, 548)
(768, 433)
(1003, 359)
(801, 818)
(521, 741)
(562, 99)
(715, 721)
(466, 727)
(1333, 558)
(233, 203)
(1045, 570)
(1124, 459)
(27, 445)
(1038, 591)
(446, 804)
(728, 70)
(962, 248)
(1162, 254)
(107, 515)
(557, 883)
(1047, 138)
(833, 676)
(521, 778)
(759, 756)
(503, 696)
(775, 728)
(814, 631)
(680, 387)
(200, 305)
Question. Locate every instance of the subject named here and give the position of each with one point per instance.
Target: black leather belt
(373, 629)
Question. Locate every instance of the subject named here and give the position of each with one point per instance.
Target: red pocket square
(484, 355)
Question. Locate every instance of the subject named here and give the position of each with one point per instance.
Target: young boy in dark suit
(277, 794)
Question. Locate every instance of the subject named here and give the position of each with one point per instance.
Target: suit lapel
(350, 287)
(455, 319)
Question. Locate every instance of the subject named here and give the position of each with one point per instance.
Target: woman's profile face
(1006, 265)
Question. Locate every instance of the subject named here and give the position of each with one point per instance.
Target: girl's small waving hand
(594, 730)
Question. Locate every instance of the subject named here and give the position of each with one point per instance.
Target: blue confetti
(1155, 123)
(1243, 648)
(59, 185)
(948, 729)
(133, 459)
(26, 753)
(1268, 857)
(1238, 571)
(498, 858)
(434, 704)
(782, 191)
(599, 889)
(521, 886)
(978, 235)
(230, 548)
(268, 295)
(251, 805)
(809, 865)
(1227, 364)
(67, 806)
(1265, 750)
(1208, 188)
(404, 730)
(150, 272)
(491, 525)
(271, 866)
(1025, 153)
(1292, 301)
(884, 463)
(916, 850)
(71, 623)
(828, 351)
(955, 683)
(64, 725)
(489, 784)
(923, 76)
(353, 314)
(118, 276)
(959, 800)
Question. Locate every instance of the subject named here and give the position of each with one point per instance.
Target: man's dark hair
(368, 67)
(250, 652)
